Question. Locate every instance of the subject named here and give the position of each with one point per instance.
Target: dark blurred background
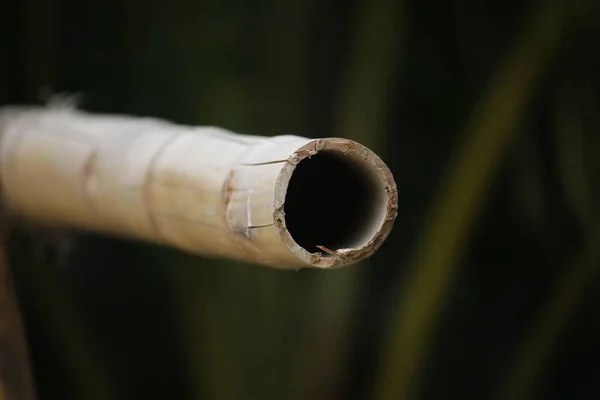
(486, 112)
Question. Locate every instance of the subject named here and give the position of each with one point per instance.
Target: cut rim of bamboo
(362, 178)
(285, 201)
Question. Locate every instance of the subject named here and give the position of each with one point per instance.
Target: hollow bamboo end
(335, 203)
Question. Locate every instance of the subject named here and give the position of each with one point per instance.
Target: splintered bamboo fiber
(285, 201)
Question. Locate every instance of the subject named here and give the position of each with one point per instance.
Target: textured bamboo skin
(203, 190)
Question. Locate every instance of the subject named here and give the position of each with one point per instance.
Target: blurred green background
(487, 113)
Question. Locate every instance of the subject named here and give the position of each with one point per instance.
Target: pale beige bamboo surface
(203, 190)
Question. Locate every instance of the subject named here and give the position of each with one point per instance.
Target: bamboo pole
(285, 201)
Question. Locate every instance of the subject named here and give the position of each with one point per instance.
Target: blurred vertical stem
(16, 377)
(488, 134)
(362, 115)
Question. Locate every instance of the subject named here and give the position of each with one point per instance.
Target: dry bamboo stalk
(286, 201)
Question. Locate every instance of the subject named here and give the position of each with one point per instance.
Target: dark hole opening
(331, 201)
